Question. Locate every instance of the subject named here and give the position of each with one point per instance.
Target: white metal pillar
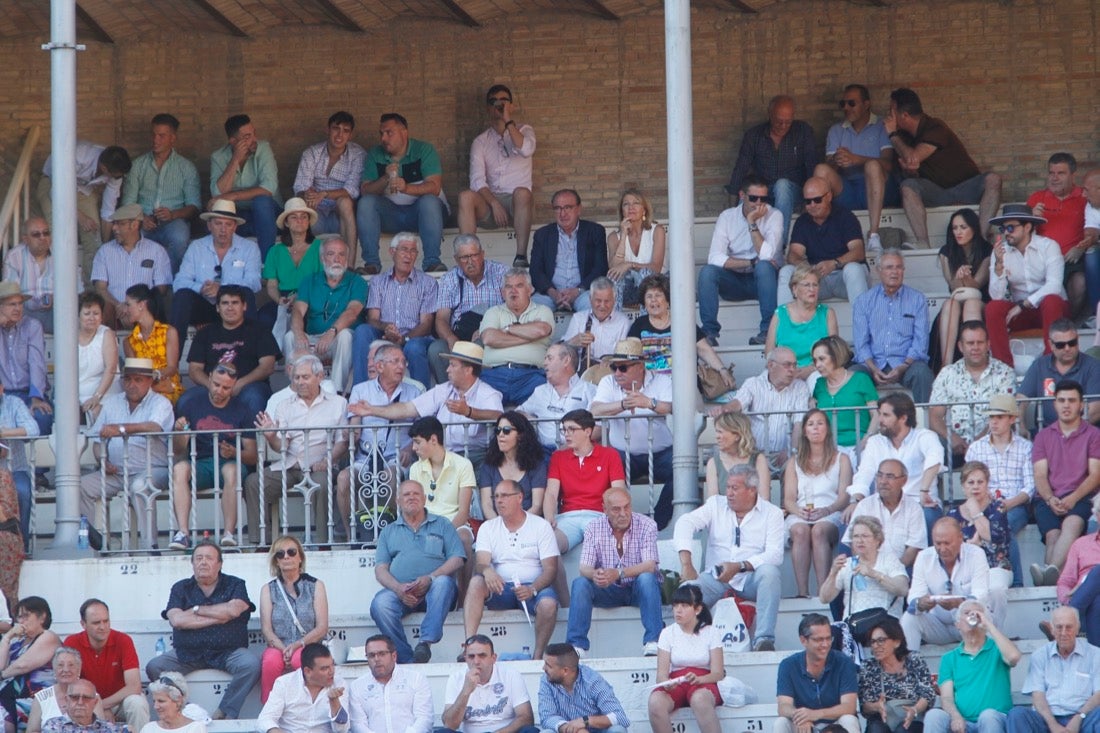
(681, 222)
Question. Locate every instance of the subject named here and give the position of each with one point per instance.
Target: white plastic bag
(731, 626)
(736, 693)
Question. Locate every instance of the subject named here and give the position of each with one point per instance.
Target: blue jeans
(377, 214)
(387, 610)
(1086, 599)
(717, 281)
(415, 349)
(516, 384)
(42, 418)
(638, 465)
(175, 235)
(242, 665)
(764, 586)
(1026, 720)
(990, 721)
(1017, 520)
(582, 303)
(259, 216)
(786, 193)
(644, 592)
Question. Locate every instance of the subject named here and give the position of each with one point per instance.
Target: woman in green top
(842, 387)
(799, 324)
(296, 255)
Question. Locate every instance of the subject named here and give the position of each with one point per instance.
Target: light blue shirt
(890, 329)
(1066, 683)
(868, 142)
(15, 414)
(116, 411)
(240, 266)
(567, 271)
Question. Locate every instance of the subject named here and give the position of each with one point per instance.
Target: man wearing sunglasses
(829, 239)
(859, 159)
(1065, 361)
(500, 174)
(743, 263)
(1025, 280)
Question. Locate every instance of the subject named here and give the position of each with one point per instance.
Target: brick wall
(593, 89)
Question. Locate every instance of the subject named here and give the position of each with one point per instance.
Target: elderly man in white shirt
(300, 452)
(745, 541)
(594, 332)
(945, 575)
(563, 392)
(312, 699)
(901, 516)
(1025, 280)
(744, 260)
(392, 698)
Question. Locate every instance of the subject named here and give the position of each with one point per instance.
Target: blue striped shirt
(890, 329)
(592, 695)
(174, 185)
(402, 303)
(146, 264)
(239, 266)
(460, 295)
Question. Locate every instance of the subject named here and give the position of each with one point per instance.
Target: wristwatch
(122, 430)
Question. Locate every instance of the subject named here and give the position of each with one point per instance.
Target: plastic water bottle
(161, 647)
(526, 651)
(82, 533)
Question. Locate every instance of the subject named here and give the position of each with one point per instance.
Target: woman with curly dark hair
(514, 454)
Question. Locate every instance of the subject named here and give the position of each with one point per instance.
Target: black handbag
(861, 622)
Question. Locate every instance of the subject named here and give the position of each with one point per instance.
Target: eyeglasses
(567, 208)
(815, 200)
(1009, 228)
(737, 536)
(570, 428)
(847, 103)
(1064, 344)
(467, 258)
(887, 476)
(756, 199)
(288, 552)
(39, 234)
(504, 430)
(501, 495)
(876, 640)
(948, 587)
(77, 697)
(621, 368)
(495, 100)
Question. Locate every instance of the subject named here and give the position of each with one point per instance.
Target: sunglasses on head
(288, 552)
(815, 200)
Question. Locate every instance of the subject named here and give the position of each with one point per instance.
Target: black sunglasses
(814, 200)
(1063, 344)
(846, 103)
(756, 199)
(504, 430)
(621, 368)
(288, 552)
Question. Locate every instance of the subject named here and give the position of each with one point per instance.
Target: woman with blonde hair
(814, 494)
(636, 249)
(169, 693)
(798, 325)
(734, 446)
(840, 386)
(876, 579)
(293, 611)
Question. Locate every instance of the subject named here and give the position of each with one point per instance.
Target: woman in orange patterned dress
(11, 542)
(154, 340)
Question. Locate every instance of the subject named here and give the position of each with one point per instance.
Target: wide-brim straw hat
(294, 205)
(466, 351)
(222, 209)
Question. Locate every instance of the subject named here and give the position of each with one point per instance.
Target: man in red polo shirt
(1062, 204)
(578, 476)
(110, 662)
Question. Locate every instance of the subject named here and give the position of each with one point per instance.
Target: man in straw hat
(244, 171)
(631, 391)
(166, 186)
(23, 356)
(127, 260)
(459, 403)
(1025, 280)
(122, 426)
(1011, 476)
(219, 258)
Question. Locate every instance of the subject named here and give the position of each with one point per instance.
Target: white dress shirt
(301, 448)
(969, 577)
(1035, 274)
(920, 450)
(291, 707)
(732, 239)
(758, 539)
(605, 333)
(402, 705)
(549, 407)
(903, 528)
(655, 386)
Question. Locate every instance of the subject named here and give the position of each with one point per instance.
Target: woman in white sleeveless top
(97, 356)
(636, 250)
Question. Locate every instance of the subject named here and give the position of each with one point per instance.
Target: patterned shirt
(377, 430)
(460, 295)
(890, 329)
(969, 398)
(63, 724)
(23, 358)
(174, 185)
(313, 171)
(772, 432)
(209, 643)
(600, 548)
(793, 160)
(914, 682)
(146, 264)
(591, 695)
(34, 280)
(1010, 470)
(402, 303)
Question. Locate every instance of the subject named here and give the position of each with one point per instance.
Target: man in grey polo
(412, 576)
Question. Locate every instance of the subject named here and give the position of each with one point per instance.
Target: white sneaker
(649, 649)
(581, 653)
(874, 244)
(228, 540)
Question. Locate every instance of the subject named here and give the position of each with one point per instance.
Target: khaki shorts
(505, 199)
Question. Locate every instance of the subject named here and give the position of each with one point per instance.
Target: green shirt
(174, 185)
(281, 268)
(417, 152)
(259, 169)
(325, 303)
(856, 392)
(981, 680)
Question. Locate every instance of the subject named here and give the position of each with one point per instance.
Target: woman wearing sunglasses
(293, 612)
(515, 453)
